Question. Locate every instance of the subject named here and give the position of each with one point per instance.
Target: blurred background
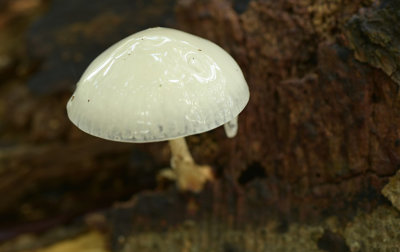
(313, 167)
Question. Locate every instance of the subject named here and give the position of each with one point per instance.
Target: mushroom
(161, 84)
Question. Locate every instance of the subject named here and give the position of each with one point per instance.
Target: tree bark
(316, 144)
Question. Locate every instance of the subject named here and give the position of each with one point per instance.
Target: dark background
(317, 142)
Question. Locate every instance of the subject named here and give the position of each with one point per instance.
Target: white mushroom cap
(158, 84)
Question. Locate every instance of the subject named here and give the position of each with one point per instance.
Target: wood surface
(317, 142)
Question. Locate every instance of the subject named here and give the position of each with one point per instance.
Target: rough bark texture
(320, 126)
(317, 142)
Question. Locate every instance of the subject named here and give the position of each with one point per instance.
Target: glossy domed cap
(158, 84)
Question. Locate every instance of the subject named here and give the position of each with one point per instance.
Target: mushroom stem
(180, 150)
(188, 175)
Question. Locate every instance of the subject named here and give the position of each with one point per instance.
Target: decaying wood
(317, 122)
(317, 142)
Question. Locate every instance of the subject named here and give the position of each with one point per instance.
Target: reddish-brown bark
(319, 137)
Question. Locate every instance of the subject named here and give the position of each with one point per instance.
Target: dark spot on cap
(199, 50)
(88, 100)
(72, 98)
